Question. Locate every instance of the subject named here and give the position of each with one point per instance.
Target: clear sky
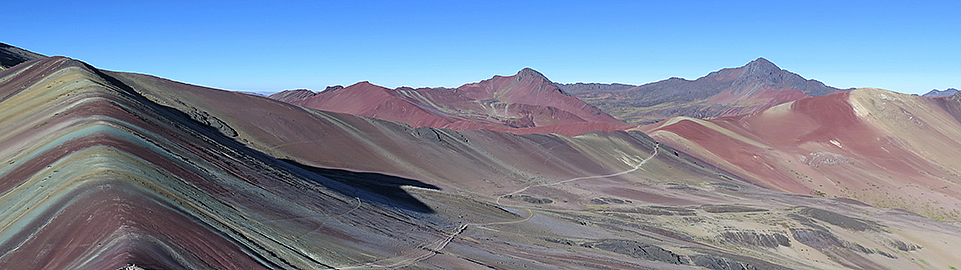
(906, 46)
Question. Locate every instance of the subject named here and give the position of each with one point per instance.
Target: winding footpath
(636, 167)
(427, 251)
(328, 218)
(430, 250)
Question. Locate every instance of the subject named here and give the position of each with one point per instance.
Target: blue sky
(910, 46)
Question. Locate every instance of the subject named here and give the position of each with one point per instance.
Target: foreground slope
(883, 148)
(756, 86)
(524, 103)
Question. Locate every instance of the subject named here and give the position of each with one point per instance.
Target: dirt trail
(636, 167)
(427, 251)
(322, 223)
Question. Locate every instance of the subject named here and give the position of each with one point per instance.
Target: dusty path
(322, 223)
(636, 167)
(427, 251)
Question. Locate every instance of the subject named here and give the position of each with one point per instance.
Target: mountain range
(731, 91)
(524, 103)
(942, 93)
(528, 100)
(105, 170)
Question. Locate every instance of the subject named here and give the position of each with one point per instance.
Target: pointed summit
(763, 72)
(364, 85)
(760, 66)
(529, 72)
(761, 61)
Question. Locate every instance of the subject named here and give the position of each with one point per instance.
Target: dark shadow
(11, 56)
(371, 187)
(387, 186)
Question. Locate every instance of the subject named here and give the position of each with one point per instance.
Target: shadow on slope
(388, 186)
(375, 187)
(11, 56)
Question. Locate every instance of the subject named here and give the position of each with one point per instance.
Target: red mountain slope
(880, 147)
(524, 103)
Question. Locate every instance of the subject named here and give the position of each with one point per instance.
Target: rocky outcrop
(607, 200)
(719, 263)
(718, 208)
(205, 118)
(529, 199)
(839, 219)
(655, 253)
(638, 250)
(752, 238)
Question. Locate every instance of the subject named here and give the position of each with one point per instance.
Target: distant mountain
(257, 93)
(526, 102)
(588, 87)
(753, 87)
(299, 94)
(938, 93)
(12, 56)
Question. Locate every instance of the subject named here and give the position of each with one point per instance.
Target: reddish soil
(113, 223)
(524, 103)
(822, 146)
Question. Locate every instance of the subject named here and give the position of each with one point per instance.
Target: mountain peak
(529, 72)
(762, 60)
(942, 93)
(765, 71)
(761, 65)
(333, 88)
(365, 84)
